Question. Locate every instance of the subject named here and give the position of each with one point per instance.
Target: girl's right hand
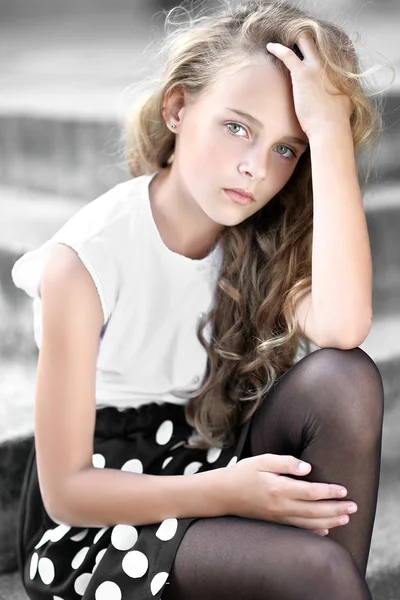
(257, 488)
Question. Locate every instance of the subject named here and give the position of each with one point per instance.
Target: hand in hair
(318, 103)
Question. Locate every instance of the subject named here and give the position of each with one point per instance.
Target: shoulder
(104, 212)
(98, 233)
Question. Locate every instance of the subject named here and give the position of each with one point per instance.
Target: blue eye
(235, 125)
(287, 148)
(238, 126)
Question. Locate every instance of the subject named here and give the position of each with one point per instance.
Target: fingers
(310, 490)
(321, 531)
(322, 509)
(307, 47)
(287, 56)
(281, 463)
(317, 524)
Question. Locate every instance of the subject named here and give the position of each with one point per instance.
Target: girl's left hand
(315, 107)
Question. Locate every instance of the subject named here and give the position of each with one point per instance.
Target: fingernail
(344, 520)
(352, 509)
(343, 492)
(303, 467)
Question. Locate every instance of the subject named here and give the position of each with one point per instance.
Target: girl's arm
(73, 491)
(341, 305)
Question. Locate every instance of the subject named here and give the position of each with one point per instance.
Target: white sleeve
(96, 246)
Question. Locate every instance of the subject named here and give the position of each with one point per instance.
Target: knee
(332, 567)
(351, 389)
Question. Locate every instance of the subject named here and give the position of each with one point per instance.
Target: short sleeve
(94, 253)
(95, 236)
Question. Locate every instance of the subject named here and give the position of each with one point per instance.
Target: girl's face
(237, 135)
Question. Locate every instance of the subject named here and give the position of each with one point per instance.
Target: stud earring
(173, 126)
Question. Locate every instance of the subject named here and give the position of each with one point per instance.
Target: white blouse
(152, 297)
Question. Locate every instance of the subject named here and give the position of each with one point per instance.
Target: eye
(293, 154)
(235, 125)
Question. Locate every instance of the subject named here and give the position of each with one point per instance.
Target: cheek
(213, 142)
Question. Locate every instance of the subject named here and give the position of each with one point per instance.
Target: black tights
(327, 409)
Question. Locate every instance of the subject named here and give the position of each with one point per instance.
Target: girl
(178, 434)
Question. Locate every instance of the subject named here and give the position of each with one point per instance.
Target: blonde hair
(266, 258)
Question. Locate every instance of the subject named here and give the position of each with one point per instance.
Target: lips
(242, 192)
(239, 196)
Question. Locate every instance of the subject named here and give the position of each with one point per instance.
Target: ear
(174, 104)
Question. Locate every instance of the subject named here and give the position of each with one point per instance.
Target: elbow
(350, 335)
(59, 508)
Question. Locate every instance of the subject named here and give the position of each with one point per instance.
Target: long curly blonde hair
(266, 259)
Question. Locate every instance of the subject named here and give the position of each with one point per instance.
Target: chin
(229, 220)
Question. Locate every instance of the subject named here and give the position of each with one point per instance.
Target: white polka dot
(167, 529)
(34, 565)
(123, 537)
(57, 598)
(79, 536)
(81, 583)
(98, 461)
(99, 534)
(164, 432)
(100, 555)
(192, 468)
(58, 533)
(108, 590)
(213, 454)
(44, 539)
(46, 570)
(157, 582)
(79, 558)
(135, 564)
(233, 461)
(166, 462)
(134, 466)
(98, 558)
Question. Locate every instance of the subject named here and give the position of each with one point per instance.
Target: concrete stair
(61, 145)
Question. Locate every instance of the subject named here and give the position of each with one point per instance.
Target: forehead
(257, 88)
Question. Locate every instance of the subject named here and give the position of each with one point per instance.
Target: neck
(182, 224)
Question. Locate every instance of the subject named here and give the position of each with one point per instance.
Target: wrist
(201, 495)
(327, 131)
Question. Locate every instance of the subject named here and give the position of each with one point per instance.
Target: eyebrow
(289, 138)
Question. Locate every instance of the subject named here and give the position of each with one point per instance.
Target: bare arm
(73, 491)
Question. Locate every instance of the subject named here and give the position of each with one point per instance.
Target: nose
(254, 165)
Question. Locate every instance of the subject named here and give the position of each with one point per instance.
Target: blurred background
(68, 73)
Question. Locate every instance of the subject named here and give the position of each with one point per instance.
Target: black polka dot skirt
(132, 562)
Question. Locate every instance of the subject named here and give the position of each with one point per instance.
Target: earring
(173, 126)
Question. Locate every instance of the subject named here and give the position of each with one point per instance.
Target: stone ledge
(13, 459)
(385, 585)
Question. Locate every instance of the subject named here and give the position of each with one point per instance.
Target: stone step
(71, 73)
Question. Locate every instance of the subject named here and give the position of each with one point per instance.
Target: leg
(229, 557)
(328, 410)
